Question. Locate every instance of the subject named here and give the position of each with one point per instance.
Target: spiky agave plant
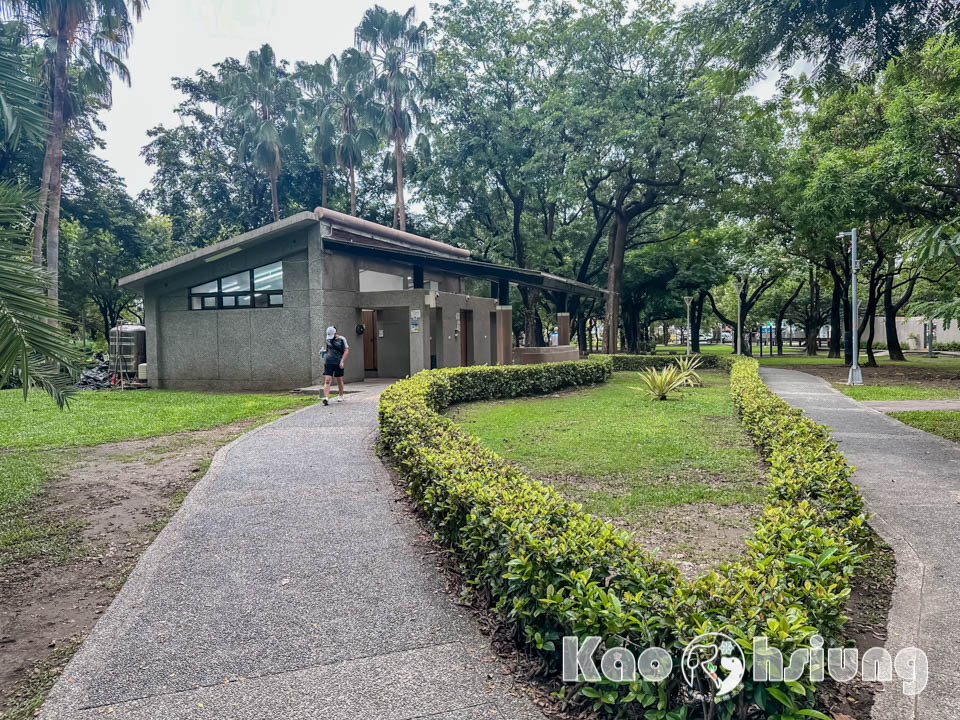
(660, 383)
(688, 365)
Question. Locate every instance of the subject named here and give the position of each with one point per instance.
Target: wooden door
(370, 340)
(466, 338)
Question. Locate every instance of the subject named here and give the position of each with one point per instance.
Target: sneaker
(326, 402)
(339, 398)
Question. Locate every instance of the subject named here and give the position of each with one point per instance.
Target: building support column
(563, 329)
(504, 335)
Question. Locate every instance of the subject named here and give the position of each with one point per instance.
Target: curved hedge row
(552, 570)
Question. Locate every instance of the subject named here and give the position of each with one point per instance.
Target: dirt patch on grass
(695, 537)
(115, 498)
(867, 610)
(887, 373)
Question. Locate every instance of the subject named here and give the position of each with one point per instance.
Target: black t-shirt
(335, 350)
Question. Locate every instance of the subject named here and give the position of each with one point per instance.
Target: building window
(260, 287)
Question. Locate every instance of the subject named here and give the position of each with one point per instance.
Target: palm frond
(31, 348)
(22, 105)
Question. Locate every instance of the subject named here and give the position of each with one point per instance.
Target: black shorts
(333, 369)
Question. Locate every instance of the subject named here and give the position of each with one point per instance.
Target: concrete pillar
(563, 329)
(504, 335)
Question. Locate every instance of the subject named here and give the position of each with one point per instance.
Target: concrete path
(290, 585)
(911, 483)
(889, 406)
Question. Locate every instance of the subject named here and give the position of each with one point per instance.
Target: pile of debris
(96, 378)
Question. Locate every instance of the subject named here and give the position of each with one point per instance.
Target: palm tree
(89, 31)
(349, 105)
(397, 46)
(263, 98)
(316, 81)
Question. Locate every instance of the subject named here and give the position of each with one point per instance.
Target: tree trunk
(42, 211)
(323, 187)
(890, 321)
(836, 333)
(813, 315)
(274, 201)
(57, 132)
(696, 318)
(611, 317)
(353, 191)
(398, 156)
(532, 327)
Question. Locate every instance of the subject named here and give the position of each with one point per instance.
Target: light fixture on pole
(688, 299)
(738, 286)
(855, 376)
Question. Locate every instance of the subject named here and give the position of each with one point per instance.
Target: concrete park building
(250, 312)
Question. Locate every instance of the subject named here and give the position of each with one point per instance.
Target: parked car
(706, 337)
(726, 336)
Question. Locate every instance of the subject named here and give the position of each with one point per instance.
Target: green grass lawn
(635, 461)
(945, 423)
(33, 432)
(898, 392)
(99, 417)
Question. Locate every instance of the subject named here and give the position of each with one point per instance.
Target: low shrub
(658, 384)
(952, 346)
(551, 570)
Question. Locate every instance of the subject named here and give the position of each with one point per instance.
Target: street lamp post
(855, 376)
(738, 286)
(689, 299)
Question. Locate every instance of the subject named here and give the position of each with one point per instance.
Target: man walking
(334, 355)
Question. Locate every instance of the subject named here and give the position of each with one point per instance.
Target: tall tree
(99, 32)
(829, 33)
(349, 107)
(317, 81)
(264, 99)
(397, 45)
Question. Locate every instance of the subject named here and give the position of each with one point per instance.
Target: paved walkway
(290, 585)
(911, 482)
(889, 406)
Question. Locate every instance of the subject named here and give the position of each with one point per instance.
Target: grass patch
(614, 431)
(24, 534)
(623, 456)
(100, 417)
(945, 423)
(898, 392)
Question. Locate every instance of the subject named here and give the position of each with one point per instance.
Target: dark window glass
(235, 283)
(268, 277)
(224, 292)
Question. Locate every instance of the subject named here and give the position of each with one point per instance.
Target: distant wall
(238, 349)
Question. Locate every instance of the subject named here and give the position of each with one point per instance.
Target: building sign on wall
(414, 321)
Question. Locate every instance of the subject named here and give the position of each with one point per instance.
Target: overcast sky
(176, 37)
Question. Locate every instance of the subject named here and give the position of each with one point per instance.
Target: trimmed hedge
(551, 570)
(623, 363)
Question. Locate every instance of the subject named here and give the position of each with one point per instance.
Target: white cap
(331, 331)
